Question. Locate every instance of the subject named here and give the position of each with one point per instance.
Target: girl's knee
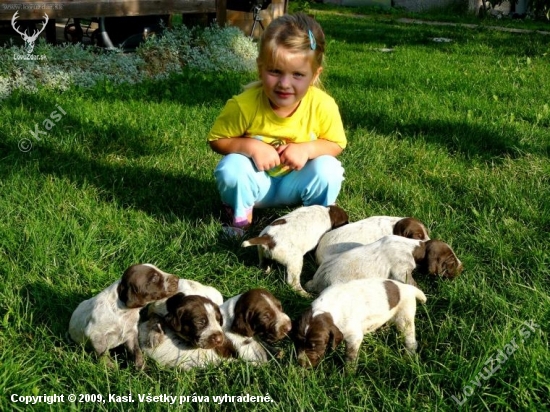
(325, 181)
(327, 169)
(232, 168)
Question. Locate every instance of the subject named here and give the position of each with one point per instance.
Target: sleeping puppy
(391, 257)
(110, 319)
(253, 319)
(367, 231)
(289, 238)
(189, 336)
(187, 287)
(346, 312)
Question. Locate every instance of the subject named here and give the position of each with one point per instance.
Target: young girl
(281, 136)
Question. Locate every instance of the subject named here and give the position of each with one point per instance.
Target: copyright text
(140, 398)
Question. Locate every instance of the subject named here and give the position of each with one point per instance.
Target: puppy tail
(260, 240)
(420, 296)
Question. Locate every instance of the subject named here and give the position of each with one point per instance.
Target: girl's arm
(264, 155)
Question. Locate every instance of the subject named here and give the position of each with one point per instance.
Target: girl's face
(286, 82)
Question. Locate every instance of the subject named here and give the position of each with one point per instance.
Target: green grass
(456, 134)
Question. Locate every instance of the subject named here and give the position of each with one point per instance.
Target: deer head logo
(29, 40)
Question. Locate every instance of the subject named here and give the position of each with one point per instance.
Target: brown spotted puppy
(350, 310)
(390, 257)
(367, 231)
(250, 320)
(289, 238)
(189, 336)
(110, 319)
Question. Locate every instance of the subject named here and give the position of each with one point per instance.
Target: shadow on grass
(156, 192)
(189, 88)
(359, 30)
(485, 141)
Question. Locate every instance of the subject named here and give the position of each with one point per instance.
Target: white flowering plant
(63, 66)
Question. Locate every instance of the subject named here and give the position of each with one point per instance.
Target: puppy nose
(287, 327)
(216, 339)
(304, 361)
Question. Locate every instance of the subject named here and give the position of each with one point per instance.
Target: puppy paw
(156, 336)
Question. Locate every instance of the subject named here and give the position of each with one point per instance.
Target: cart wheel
(73, 33)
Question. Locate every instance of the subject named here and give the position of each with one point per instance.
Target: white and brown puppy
(189, 336)
(110, 319)
(253, 319)
(187, 287)
(350, 310)
(391, 257)
(287, 239)
(367, 231)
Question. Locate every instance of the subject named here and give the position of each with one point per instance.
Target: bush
(60, 67)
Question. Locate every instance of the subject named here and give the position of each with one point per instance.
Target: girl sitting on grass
(281, 136)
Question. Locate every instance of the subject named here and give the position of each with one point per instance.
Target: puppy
(189, 336)
(346, 312)
(289, 238)
(253, 319)
(110, 319)
(391, 257)
(187, 287)
(367, 231)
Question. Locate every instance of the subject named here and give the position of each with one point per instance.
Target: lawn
(455, 132)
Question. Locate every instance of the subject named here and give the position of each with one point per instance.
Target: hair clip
(312, 42)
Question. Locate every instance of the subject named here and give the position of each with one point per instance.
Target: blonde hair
(297, 33)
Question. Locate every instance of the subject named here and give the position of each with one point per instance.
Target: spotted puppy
(391, 257)
(346, 312)
(110, 319)
(252, 321)
(367, 231)
(289, 238)
(190, 335)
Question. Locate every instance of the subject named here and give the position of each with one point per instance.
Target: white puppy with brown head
(190, 335)
(287, 239)
(110, 319)
(346, 312)
(391, 257)
(367, 231)
(252, 321)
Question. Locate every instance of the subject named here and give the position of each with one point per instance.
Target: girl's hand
(265, 157)
(294, 155)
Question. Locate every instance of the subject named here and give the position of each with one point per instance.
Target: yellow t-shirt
(250, 115)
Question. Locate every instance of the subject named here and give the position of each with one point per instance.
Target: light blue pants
(243, 187)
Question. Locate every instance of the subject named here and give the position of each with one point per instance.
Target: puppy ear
(241, 324)
(219, 316)
(122, 291)
(419, 252)
(299, 325)
(174, 320)
(127, 293)
(335, 338)
(244, 313)
(338, 216)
